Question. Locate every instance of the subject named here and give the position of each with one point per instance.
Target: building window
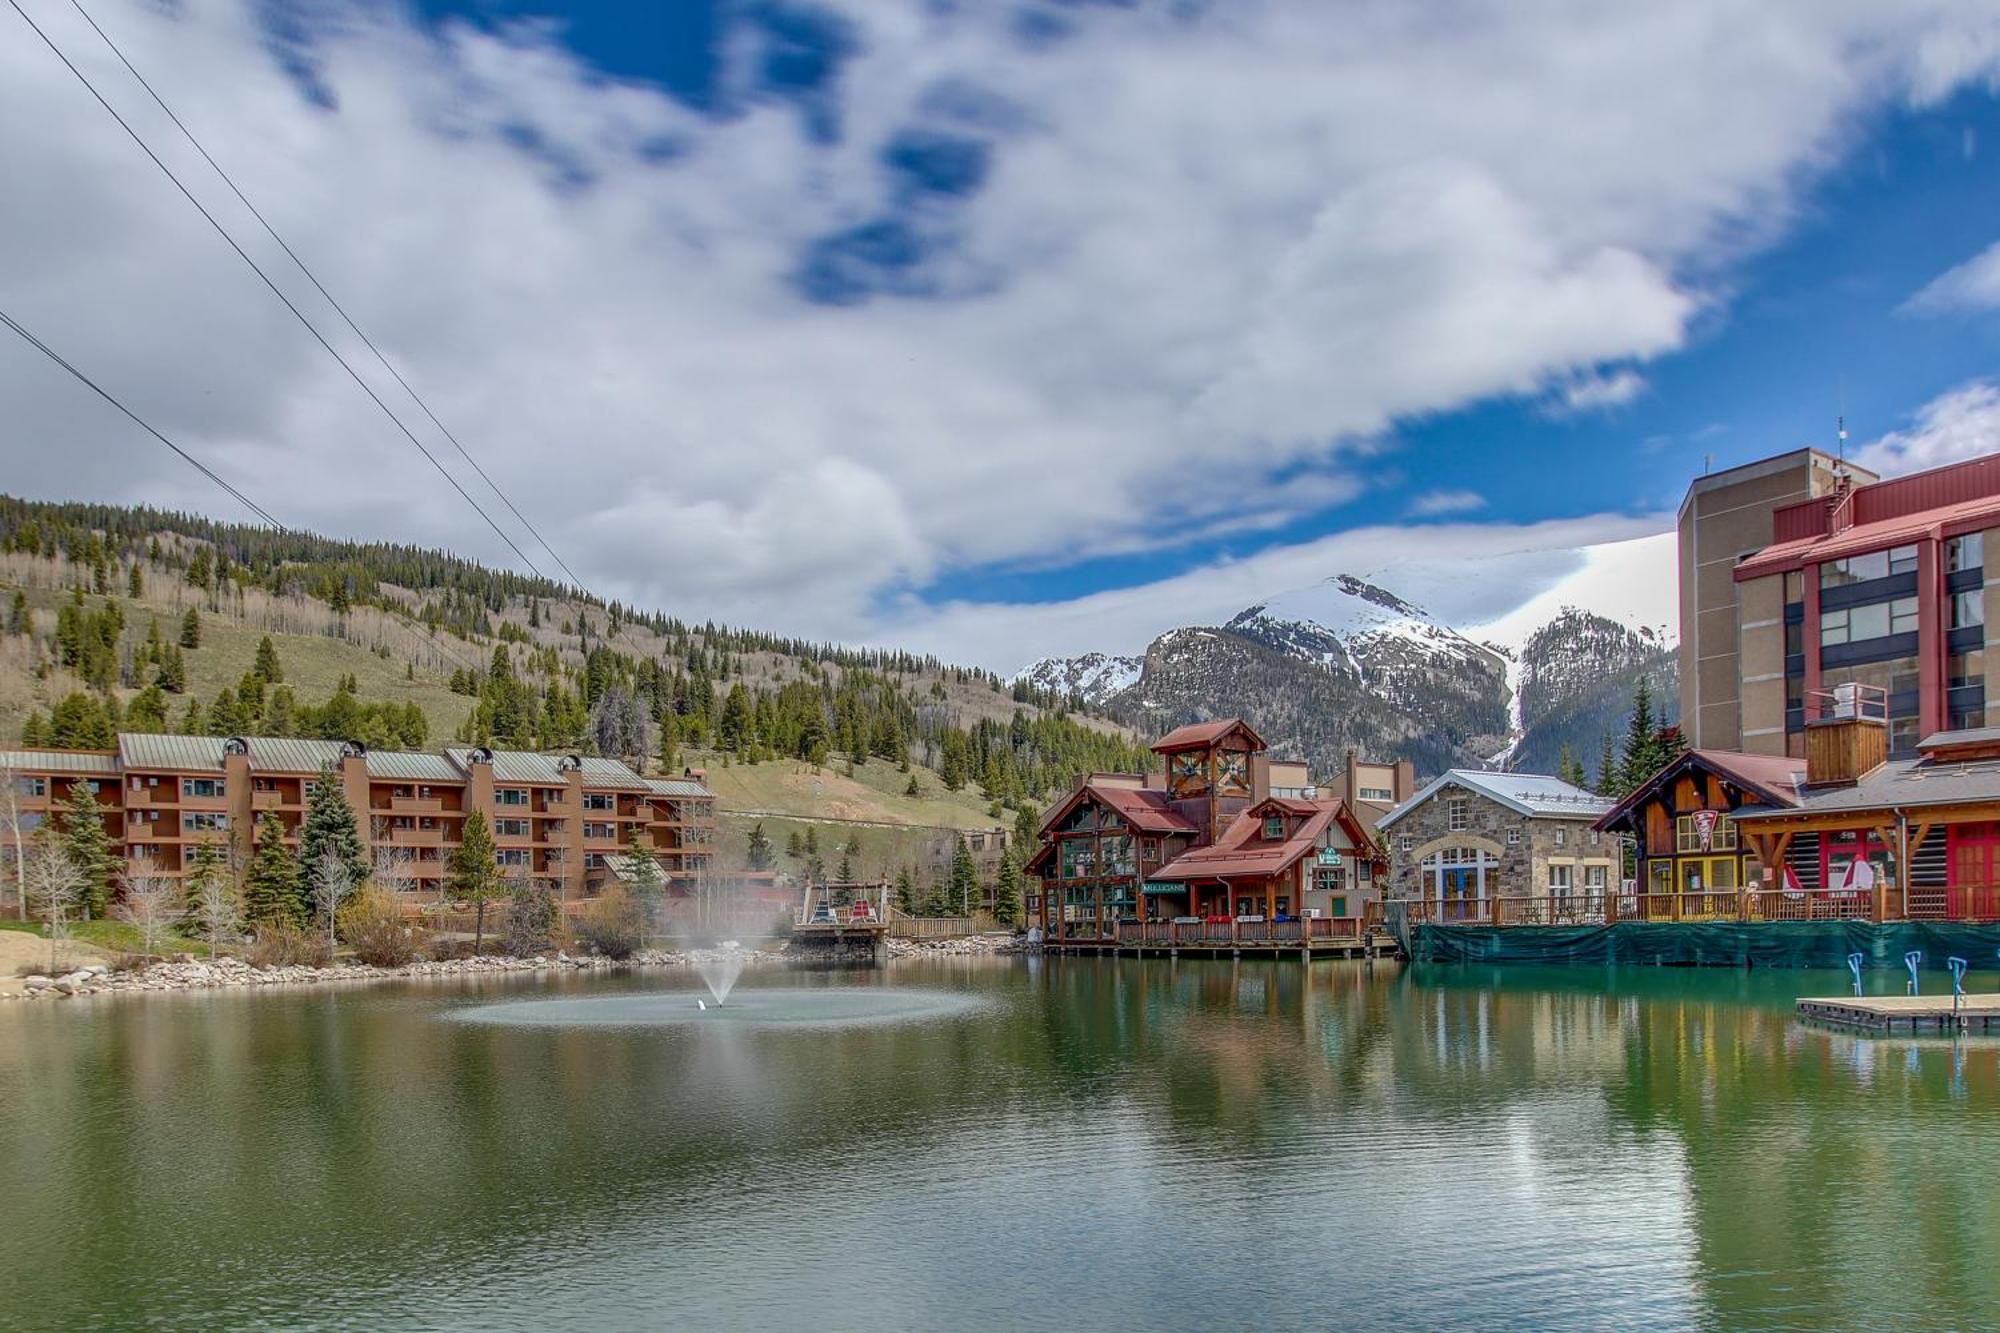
(34, 786)
(1962, 669)
(1513, 837)
(600, 830)
(1873, 565)
(195, 786)
(1968, 608)
(1595, 837)
(515, 856)
(1857, 624)
(511, 828)
(599, 800)
(1459, 817)
(1150, 848)
(1967, 552)
(1721, 835)
(1377, 794)
(204, 821)
(510, 796)
(1364, 871)
(1337, 907)
(1559, 879)
(1795, 585)
(1562, 837)
(1405, 843)
(1594, 878)
(1274, 828)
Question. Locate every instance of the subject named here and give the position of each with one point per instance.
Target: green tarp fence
(1709, 943)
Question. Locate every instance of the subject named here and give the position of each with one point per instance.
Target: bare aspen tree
(217, 909)
(150, 905)
(332, 885)
(55, 885)
(392, 875)
(12, 819)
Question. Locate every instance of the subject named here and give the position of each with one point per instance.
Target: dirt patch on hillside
(22, 954)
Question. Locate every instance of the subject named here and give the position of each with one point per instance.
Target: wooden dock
(1906, 1013)
(1363, 946)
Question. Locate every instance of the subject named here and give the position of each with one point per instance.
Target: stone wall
(1520, 848)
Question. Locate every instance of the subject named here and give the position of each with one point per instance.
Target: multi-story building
(1211, 836)
(1802, 573)
(554, 818)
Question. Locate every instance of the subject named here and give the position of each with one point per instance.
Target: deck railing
(1205, 933)
(1884, 902)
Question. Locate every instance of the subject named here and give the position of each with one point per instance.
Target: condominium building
(554, 818)
(1809, 574)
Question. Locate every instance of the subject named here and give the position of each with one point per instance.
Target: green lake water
(1059, 1144)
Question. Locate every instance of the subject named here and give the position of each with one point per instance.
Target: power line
(278, 292)
(321, 287)
(142, 423)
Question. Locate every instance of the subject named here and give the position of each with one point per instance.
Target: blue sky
(998, 330)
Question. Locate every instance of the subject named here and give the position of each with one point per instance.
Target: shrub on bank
(379, 933)
(612, 924)
(282, 944)
(534, 920)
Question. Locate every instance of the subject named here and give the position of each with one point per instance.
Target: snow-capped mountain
(1346, 664)
(1094, 677)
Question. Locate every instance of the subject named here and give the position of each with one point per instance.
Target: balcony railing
(1884, 902)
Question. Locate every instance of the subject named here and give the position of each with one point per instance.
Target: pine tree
(1007, 889)
(20, 620)
(135, 585)
(330, 826)
(89, 849)
(273, 891)
(844, 872)
(1607, 771)
(911, 788)
(191, 629)
(267, 668)
(206, 865)
(475, 871)
(794, 846)
(171, 675)
(906, 890)
(758, 855)
(1640, 751)
(964, 879)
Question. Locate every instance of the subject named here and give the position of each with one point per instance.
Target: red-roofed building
(1211, 837)
(1802, 573)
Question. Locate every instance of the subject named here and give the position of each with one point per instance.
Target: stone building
(1472, 837)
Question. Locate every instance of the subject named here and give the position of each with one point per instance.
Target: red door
(1973, 880)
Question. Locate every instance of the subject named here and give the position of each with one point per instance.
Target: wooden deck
(1906, 1013)
(1305, 939)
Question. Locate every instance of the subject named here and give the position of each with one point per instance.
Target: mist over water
(1065, 1145)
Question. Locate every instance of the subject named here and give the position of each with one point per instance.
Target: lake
(1063, 1144)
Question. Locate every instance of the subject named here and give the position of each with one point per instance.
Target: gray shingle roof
(145, 750)
(1536, 795)
(60, 761)
(517, 766)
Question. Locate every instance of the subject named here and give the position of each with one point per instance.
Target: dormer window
(1274, 828)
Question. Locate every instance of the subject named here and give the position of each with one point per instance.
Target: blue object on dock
(1854, 961)
(1912, 960)
(1957, 966)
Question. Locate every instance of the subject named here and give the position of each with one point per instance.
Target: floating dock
(1907, 1013)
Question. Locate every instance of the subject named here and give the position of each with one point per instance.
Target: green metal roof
(602, 773)
(291, 754)
(146, 750)
(94, 762)
(516, 766)
(679, 787)
(412, 766)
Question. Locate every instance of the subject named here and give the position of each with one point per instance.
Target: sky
(1008, 328)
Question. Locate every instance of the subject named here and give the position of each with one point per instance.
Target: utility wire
(142, 423)
(277, 291)
(321, 287)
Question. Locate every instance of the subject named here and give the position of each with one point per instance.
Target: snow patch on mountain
(1095, 677)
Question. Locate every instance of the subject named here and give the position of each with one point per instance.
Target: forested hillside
(144, 619)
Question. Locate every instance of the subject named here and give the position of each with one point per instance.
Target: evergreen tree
(906, 890)
(171, 672)
(475, 871)
(191, 629)
(135, 586)
(330, 826)
(911, 788)
(794, 846)
(649, 890)
(532, 917)
(758, 856)
(734, 734)
(147, 711)
(267, 667)
(1007, 889)
(1641, 756)
(1607, 771)
(80, 722)
(20, 620)
(274, 891)
(964, 880)
(844, 872)
(207, 865)
(89, 849)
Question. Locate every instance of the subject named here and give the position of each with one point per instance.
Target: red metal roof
(1243, 849)
(1205, 733)
(1939, 503)
(1144, 808)
(1773, 778)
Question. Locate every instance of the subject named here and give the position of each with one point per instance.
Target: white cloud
(1433, 503)
(1221, 254)
(1961, 424)
(1466, 574)
(1597, 391)
(1973, 285)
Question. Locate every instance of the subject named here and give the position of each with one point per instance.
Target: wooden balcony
(1886, 902)
(416, 837)
(269, 800)
(416, 805)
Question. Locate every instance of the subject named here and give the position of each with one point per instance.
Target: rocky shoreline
(192, 974)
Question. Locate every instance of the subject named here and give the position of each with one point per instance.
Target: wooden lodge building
(1222, 842)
